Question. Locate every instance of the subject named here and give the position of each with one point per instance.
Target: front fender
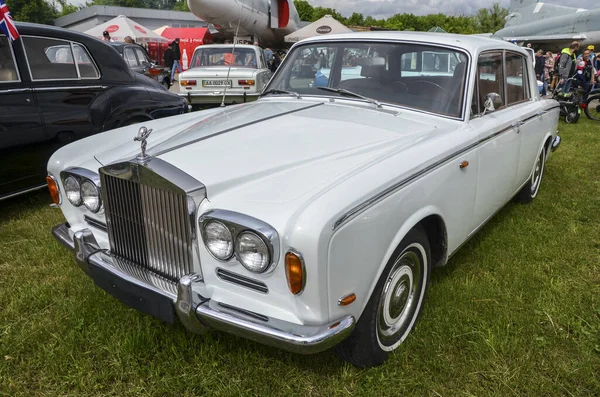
(360, 250)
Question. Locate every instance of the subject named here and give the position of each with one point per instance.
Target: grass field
(516, 312)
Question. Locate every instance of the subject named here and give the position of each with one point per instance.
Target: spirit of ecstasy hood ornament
(142, 135)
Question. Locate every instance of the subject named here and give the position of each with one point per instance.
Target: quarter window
(142, 56)
(129, 56)
(87, 69)
(8, 69)
(516, 79)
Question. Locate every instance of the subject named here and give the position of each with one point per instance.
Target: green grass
(515, 312)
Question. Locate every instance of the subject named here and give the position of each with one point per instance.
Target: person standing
(106, 36)
(168, 57)
(176, 59)
(540, 61)
(268, 56)
(549, 71)
(567, 65)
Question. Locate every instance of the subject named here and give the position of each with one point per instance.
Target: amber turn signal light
(188, 82)
(246, 82)
(53, 188)
(295, 272)
(346, 300)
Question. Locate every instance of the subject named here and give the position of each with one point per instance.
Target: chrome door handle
(539, 114)
(516, 125)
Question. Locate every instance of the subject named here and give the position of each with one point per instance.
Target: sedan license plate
(216, 83)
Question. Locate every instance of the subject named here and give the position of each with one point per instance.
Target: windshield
(410, 75)
(223, 57)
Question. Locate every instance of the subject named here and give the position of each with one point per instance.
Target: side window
(87, 69)
(516, 78)
(409, 62)
(49, 59)
(129, 56)
(142, 57)
(490, 79)
(8, 69)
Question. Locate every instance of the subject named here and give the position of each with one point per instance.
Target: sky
(386, 8)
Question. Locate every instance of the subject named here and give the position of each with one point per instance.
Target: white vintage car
(314, 216)
(239, 74)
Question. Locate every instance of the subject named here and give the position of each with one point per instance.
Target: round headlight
(90, 196)
(252, 252)
(218, 240)
(72, 190)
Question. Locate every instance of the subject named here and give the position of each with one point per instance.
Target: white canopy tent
(323, 26)
(121, 27)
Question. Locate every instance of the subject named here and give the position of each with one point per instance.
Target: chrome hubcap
(399, 298)
(537, 173)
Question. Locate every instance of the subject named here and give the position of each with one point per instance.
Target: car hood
(278, 151)
(218, 72)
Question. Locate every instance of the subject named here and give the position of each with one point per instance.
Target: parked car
(139, 61)
(314, 216)
(218, 69)
(57, 86)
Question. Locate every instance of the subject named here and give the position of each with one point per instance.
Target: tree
(181, 5)
(66, 8)
(37, 11)
(356, 19)
(492, 20)
(305, 10)
(320, 12)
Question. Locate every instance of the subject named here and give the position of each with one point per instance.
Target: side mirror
(493, 101)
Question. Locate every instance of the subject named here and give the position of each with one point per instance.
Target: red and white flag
(7, 26)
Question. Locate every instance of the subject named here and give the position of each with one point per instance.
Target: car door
(22, 134)
(499, 139)
(522, 95)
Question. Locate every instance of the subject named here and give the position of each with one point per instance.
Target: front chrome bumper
(196, 312)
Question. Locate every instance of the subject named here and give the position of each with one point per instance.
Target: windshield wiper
(350, 93)
(276, 91)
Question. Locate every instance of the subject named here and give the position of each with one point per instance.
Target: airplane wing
(549, 38)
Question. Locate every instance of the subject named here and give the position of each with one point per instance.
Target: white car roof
(471, 43)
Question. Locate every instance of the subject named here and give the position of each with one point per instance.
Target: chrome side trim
(242, 281)
(234, 128)
(196, 311)
(85, 87)
(23, 192)
(16, 90)
(238, 223)
(417, 175)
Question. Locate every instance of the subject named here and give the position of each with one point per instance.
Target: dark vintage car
(139, 61)
(57, 86)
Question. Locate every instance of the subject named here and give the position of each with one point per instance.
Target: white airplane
(265, 21)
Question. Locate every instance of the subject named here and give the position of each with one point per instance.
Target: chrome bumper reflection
(197, 313)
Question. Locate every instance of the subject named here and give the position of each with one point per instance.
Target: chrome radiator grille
(148, 226)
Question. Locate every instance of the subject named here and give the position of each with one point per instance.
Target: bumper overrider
(196, 312)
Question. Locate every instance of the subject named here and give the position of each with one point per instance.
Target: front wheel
(532, 187)
(394, 306)
(572, 117)
(592, 109)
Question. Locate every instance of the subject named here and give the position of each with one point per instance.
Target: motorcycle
(592, 104)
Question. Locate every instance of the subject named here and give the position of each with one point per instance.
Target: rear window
(8, 69)
(55, 59)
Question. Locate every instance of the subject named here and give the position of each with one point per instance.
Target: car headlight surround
(252, 252)
(73, 190)
(82, 187)
(259, 252)
(218, 240)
